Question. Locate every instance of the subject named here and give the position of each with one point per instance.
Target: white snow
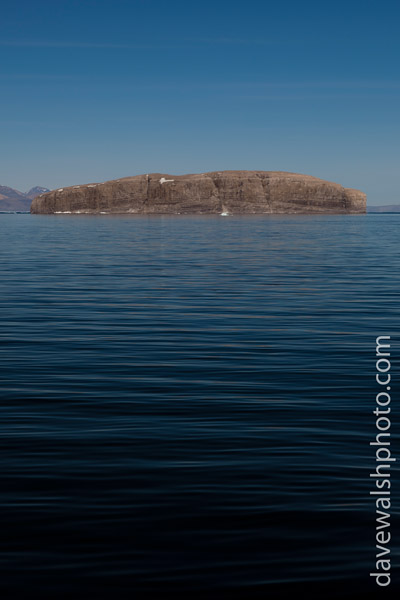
(61, 212)
(163, 180)
(224, 214)
(60, 190)
(91, 186)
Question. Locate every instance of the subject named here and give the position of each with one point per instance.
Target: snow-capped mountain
(14, 200)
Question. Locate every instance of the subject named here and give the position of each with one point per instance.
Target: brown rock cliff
(233, 192)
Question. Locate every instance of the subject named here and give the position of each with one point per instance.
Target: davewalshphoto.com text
(384, 461)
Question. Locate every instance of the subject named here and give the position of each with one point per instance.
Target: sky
(96, 90)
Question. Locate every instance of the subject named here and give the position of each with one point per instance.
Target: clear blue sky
(95, 90)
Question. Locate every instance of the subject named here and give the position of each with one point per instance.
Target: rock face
(232, 192)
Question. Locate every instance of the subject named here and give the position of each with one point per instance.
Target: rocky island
(219, 192)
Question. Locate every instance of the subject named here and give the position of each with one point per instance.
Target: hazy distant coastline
(388, 208)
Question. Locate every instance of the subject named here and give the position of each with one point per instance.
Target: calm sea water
(186, 402)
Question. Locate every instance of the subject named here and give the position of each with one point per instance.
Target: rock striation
(231, 192)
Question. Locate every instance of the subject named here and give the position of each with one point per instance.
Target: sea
(187, 404)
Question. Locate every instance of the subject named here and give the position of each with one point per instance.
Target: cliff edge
(232, 192)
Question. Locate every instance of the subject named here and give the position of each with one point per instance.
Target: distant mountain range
(388, 208)
(13, 200)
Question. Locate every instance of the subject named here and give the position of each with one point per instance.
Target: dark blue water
(187, 403)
